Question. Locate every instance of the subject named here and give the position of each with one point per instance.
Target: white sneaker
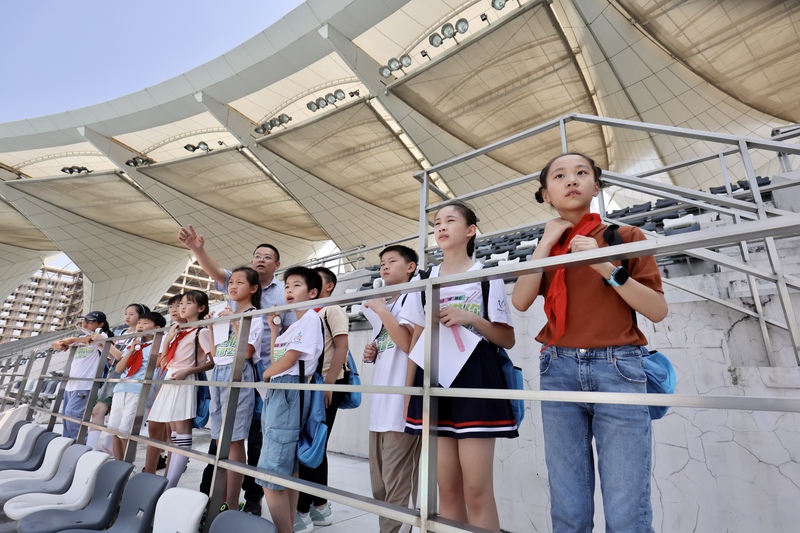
(303, 525)
(321, 517)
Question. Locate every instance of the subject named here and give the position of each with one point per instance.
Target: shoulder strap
(322, 355)
(424, 274)
(302, 392)
(613, 238)
(196, 344)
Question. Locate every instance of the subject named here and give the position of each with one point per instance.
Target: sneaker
(224, 507)
(303, 525)
(321, 517)
(251, 507)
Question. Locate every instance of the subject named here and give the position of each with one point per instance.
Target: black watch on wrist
(618, 277)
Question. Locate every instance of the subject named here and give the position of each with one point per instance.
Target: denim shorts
(219, 402)
(280, 425)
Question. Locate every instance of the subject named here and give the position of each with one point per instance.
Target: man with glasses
(266, 260)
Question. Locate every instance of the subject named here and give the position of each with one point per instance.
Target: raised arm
(196, 243)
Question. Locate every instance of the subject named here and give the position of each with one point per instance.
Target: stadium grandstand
(341, 128)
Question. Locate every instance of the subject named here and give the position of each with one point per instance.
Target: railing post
(430, 410)
(96, 383)
(217, 494)
(772, 253)
(39, 383)
(60, 395)
(11, 382)
(129, 453)
(423, 220)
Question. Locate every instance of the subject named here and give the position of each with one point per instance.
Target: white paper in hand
(455, 346)
(220, 329)
(374, 321)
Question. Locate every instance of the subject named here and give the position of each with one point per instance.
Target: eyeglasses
(263, 257)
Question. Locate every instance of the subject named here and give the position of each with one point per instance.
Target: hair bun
(538, 195)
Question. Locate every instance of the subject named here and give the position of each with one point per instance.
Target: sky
(58, 55)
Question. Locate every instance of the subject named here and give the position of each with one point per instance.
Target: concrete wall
(714, 470)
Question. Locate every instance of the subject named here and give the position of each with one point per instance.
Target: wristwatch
(618, 277)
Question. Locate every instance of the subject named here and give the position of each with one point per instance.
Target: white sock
(92, 438)
(109, 444)
(178, 462)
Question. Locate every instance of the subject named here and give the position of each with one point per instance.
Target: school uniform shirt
(271, 295)
(304, 336)
(184, 354)
(468, 296)
(391, 363)
(133, 383)
(335, 318)
(84, 365)
(597, 316)
(226, 350)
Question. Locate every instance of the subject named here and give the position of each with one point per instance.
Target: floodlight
(139, 160)
(385, 71)
(275, 122)
(355, 93)
(201, 146)
(321, 102)
(330, 98)
(76, 170)
(312, 106)
(394, 64)
(260, 129)
(424, 53)
(436, 40)
(448, 31)
(498, 4)
(129, 162)
(405, 60)
(462, 25)
(66, 170)
(190, 147)
(339, 94)
(284, 118)
(484, 18)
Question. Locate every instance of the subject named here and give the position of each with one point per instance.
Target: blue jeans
(622, 436)
(74, 405)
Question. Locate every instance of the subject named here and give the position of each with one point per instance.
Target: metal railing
(752, 221)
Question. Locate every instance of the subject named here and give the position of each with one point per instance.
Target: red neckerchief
(173, 346)
(135, 360)
(555, 303)
(317, 309)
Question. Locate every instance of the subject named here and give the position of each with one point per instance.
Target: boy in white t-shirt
(132, 364)
(281, 420)
(393, 454)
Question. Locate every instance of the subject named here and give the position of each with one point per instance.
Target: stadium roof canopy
(342, 168)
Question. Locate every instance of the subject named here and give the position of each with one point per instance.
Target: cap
(97, 316)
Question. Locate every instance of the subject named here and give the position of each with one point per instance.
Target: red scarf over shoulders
(555, 303)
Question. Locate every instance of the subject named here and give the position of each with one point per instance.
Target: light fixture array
(449, 31)
(202, 146)
(75, 170)
(330, 98)
(137, 161)
(395, 64)
(274, 122)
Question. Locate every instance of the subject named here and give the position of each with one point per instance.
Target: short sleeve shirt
(184, 353)
(226, 350)
(304, 336)
(271, 295)
(134, 383)
(336, 323)
(84, 365)
(391, 363)
(468, 296)
(597, 316)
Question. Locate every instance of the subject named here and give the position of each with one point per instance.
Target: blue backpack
(314, 429)
(660, 373)
(512, 375)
